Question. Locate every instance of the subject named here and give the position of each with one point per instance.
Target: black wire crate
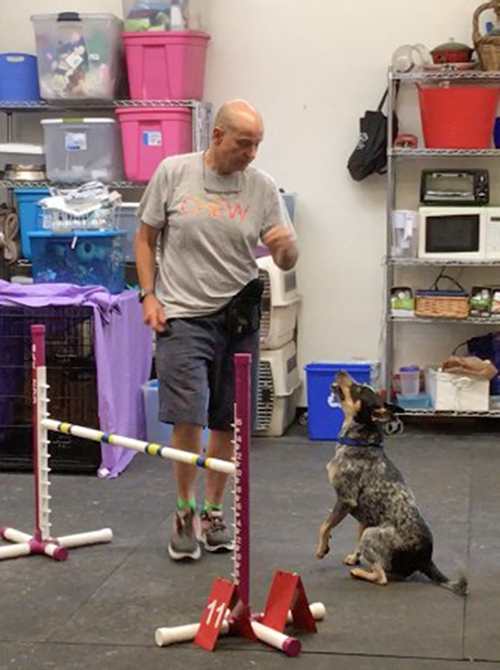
(71, 375)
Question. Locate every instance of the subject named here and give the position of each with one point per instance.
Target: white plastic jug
(404, 233)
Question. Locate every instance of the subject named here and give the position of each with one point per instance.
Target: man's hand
(153, 315)
(280, 243)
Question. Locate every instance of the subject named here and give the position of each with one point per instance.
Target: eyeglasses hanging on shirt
(215, 184)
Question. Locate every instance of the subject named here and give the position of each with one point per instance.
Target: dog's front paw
(352, 559)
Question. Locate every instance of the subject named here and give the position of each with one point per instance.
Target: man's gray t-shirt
(210, 225)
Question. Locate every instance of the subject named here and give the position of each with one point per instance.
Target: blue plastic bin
(414, 402)
(28, 210)
(157, 431)
(325, 416)
(87, 258)
(18, 78)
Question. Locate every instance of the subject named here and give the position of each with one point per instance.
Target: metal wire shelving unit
(394, 155)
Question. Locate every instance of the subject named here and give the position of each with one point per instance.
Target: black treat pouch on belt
(244, 310)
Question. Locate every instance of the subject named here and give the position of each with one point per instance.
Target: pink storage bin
(150, 135)
(166, 65)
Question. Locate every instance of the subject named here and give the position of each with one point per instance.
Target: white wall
(312, 68)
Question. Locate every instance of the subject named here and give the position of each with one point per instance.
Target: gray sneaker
(183, 542)
(215, 535)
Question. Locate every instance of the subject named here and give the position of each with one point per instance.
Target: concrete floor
(100, 608)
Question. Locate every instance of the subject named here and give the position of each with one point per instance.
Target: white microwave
(455, 233)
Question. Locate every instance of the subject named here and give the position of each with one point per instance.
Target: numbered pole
(242, 426)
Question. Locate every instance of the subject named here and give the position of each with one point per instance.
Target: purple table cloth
(123, 348)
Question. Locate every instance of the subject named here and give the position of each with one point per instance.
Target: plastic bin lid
(29, 190)
(77, 233)
(335, 365)
(75, 119)
(21, 148)
(80, 15)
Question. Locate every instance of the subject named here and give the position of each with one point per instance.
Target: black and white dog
(394, 538)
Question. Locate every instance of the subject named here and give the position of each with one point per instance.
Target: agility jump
(287, 600)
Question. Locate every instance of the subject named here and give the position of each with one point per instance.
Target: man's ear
(217, 135)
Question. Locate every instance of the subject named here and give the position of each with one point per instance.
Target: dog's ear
(395, 409)
(386, 413)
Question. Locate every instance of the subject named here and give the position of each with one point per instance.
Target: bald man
(205, 213)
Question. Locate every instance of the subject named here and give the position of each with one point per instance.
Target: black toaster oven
(455, 187)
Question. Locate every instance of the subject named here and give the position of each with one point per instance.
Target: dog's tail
(434, 573)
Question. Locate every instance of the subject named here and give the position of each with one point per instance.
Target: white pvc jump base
(42, 542)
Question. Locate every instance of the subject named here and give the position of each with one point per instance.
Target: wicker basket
(442, 304)
(487, 46)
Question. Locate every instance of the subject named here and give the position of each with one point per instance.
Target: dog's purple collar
(350, 442)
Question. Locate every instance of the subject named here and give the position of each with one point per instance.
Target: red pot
(452, 52)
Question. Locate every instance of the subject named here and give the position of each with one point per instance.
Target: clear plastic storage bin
(79, 150)
(78, 55)
(89, 258)
(158, 15)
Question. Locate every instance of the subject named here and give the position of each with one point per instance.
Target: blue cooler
(325, 416)
(19, 78)
(28, 210)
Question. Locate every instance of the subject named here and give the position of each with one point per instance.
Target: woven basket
(442, 304)
(487, 46)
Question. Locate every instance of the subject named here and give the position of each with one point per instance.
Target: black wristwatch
(144, 293)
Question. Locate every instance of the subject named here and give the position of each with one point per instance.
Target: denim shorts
(195, 369)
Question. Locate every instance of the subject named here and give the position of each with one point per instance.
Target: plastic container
(325, 415)
(104, 218)
(456, 392)
(83, 258)
(414, 402)
(79, 55)
(28, 211)
(278, 390)
(21, 153)
(128, 221)
(409, 377)
(458, 117)
(167, 65)
(404, 233)
(157, 431)
(150, 135)
(82, 149)
(18, 78)
(289, 198)
(158, 15)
